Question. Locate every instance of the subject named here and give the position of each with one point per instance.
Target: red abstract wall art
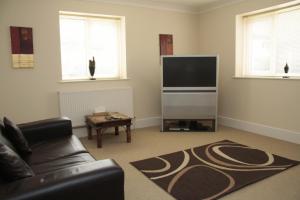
(166, 44)
(21, 47)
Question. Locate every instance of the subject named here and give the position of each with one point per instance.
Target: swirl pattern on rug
(211, 171)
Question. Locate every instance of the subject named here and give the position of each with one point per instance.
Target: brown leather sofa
(63, 168)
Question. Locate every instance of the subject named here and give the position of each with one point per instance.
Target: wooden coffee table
(102, 121)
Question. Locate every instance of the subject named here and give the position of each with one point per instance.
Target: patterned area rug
(211, 171)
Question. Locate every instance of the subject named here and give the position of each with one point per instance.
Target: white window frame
(241, 64)
(122, 69)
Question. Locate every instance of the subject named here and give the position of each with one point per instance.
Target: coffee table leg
(99, 137)
(116, 130)
(89, 129)
(128, 133)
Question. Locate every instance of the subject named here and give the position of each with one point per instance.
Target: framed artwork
(166, 44)
(21, 47)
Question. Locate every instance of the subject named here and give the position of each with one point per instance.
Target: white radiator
(76, 105)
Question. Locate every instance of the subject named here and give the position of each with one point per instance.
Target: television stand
(189, 93)
(188, 125)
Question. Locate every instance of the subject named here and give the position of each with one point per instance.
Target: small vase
(92, 67)
(286, 68)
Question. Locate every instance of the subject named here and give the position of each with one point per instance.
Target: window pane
(270, 41)
(104, 45)
(84, 37)
(288, 41)
(73, 54)
(259, 46)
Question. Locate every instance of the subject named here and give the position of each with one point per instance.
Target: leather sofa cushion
(54, 149)
(16, 137)
(3, 139)
(62, 163)
(12, 167)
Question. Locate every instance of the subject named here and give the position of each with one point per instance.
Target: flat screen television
(189, 71)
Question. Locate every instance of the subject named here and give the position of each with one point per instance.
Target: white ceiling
(194, 6)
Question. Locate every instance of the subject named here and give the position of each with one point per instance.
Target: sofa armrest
(46, 129)
(102, 179)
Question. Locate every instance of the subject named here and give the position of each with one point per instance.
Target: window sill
(267, 77)
(96, 80)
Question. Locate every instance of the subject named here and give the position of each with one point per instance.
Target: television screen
(189, 71)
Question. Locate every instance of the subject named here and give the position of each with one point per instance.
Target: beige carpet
(150, 142)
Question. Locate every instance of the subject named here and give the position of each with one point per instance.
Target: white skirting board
(282, 134)
(147, 122)
(278, 133)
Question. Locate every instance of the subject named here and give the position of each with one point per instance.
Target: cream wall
(273, 103)
(31, 94)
